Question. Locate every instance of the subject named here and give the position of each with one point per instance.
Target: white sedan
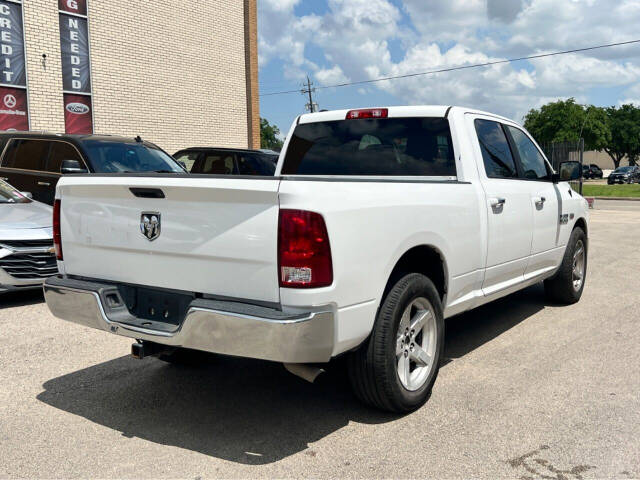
(27, 256)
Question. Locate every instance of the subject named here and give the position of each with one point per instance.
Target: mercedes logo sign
(10, 101)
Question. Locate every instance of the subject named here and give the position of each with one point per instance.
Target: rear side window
(26, 154)
(496, 153)
(254, 164)
(61, 151)
(372, 147)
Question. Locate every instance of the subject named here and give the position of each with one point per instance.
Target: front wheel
(567, 284)
(395, 369)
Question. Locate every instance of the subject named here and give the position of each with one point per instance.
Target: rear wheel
(568, 283)
(395, 369)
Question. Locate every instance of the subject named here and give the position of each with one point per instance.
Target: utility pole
(308, 89)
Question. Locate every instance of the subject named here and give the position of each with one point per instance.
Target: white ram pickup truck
(377, 226)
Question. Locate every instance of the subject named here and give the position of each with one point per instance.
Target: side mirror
(568, 171)
(72, 166)
(29, 195)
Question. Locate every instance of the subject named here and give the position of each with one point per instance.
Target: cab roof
(396, 111)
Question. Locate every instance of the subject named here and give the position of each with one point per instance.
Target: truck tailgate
(216, 235)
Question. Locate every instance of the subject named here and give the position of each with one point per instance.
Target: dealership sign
(13, 109)
(74, 44)
(79, 7)
(76, 66)
(14, 112)
(78, 116)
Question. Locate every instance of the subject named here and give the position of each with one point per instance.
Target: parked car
(592, 171)
(378, 225)
(34, 162)
(624, 175)
(26, 243)
(227, 161)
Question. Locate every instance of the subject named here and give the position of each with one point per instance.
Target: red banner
(77, 114)
(78, 7)
(13, 109)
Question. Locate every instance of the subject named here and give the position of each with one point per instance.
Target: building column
(251, 66)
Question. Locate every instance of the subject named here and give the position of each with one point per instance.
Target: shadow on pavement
(21, 299)
(241, 410)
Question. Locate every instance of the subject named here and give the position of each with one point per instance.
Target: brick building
(177, 73)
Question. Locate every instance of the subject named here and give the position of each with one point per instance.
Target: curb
(631, 199)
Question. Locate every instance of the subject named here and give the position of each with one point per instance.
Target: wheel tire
(373, 368)
(560, 288)
(185, 357)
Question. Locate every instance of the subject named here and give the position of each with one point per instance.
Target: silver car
(27, 255)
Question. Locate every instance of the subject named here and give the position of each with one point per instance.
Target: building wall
(170, 71)
(601, 159)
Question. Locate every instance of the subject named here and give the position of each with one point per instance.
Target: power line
(460, 67)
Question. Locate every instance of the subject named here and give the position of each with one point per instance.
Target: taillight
(57, 237)
(367, 113)
(304, 254)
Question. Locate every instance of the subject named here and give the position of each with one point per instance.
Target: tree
(625, 134)
(566, 121)
(269, 136)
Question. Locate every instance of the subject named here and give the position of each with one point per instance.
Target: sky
(336, 41)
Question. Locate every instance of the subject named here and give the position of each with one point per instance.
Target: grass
(611, 190)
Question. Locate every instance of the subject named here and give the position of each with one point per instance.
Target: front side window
(534, 167)
(115, 157)
(61, 151)
(26, 154)
(188, 158)
(372, 147)
(496, 153)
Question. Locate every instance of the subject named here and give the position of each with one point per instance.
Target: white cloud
(355, 38)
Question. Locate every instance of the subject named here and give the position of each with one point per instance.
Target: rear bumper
(223, 327)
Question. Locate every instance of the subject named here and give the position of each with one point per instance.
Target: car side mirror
(72, 166)
(29, 195)
(568, 171)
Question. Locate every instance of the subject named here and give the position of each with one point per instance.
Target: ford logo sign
(77, 108)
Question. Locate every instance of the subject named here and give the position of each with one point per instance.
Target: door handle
(497, 202)
(539, 200)
(44, 184)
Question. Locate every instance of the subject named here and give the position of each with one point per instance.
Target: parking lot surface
(529, 390)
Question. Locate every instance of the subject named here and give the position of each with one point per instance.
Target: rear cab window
(396, 146)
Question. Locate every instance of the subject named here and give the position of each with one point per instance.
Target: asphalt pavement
(528, 390)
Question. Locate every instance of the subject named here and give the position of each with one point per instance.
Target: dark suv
(227, 161)
(592, 171)
(33, 162)
(624, 175)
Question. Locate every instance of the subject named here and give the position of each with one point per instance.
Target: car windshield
(623, 169)
(115, 157)
(8, 194)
